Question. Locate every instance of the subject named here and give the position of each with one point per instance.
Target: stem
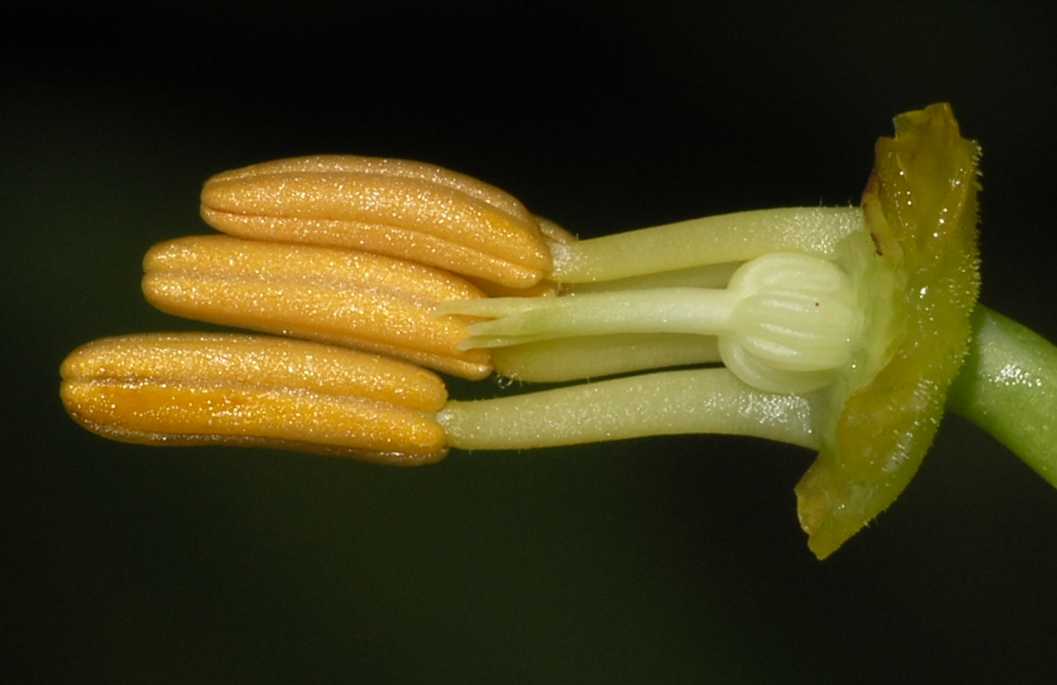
(669, 403)
(1008, 387)
(711, 240)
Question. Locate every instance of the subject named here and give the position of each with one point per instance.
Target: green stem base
(1008, 387)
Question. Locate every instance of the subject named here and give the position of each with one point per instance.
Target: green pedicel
(1008, 387)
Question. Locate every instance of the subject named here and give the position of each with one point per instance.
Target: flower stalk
(1008, 387)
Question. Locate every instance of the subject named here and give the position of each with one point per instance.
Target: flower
(840, 329)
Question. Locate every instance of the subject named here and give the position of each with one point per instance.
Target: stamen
(195, 389)
(357, 299)
(400, 208)
(711, 240)
(669, 403)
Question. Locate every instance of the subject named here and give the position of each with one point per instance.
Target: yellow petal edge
(921, 211)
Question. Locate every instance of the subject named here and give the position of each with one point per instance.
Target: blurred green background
(661, 560)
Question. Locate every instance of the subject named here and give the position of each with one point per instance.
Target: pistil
(785, 323)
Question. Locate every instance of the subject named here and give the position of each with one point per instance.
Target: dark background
(660, 560)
